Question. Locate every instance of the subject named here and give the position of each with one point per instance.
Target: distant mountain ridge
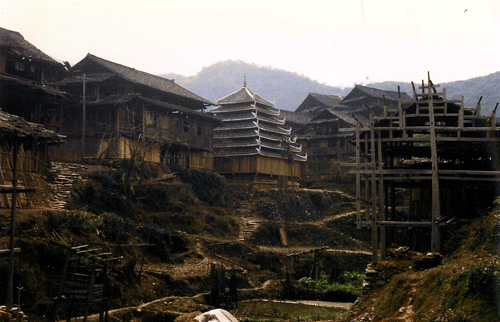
(287, 89)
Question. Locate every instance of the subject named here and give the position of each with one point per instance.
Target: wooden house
(27, 79)
(253, 144)
(424, 168)
(323, 136)
(133, 114)
(326, 144)
(27, 92)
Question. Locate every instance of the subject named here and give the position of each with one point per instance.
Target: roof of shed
(15, 42)
(16, 127)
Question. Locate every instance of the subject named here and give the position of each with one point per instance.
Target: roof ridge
(13, 31)
(131, 68)
(377, 89)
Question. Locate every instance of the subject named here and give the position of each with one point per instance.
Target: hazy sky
(334, 42)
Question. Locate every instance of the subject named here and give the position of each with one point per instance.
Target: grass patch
(262, 310)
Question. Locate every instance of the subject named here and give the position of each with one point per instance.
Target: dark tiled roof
(330, 114)
(89, 78)
(124, 98)
(379, 93)
(350, 118)
(15, 42)
(294, 117)
(353, 99)
(143, 78)
(314, 103)
(172, 107)
(329, 100)
(243, 95)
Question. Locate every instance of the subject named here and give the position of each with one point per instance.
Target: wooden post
(381, 199)
(10, 283)
(436, 206)
(493, 118)
(478, 107)
(358, 178)
(374, 195)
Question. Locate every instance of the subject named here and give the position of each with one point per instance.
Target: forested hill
(287, 89)
(472, 89)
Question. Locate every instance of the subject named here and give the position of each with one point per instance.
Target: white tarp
(217, 315)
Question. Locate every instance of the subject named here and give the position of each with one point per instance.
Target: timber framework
(424, 168)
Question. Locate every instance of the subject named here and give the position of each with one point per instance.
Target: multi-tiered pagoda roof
(252, 126)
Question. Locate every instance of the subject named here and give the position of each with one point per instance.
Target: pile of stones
(402, 259)
(62, 176)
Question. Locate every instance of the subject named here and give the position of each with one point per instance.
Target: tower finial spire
(245, 80)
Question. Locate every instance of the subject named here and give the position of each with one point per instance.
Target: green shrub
(208, 186)
(351, 282)
(103, 192)
(117, 229)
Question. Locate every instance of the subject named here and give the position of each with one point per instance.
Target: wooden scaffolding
(427, 165)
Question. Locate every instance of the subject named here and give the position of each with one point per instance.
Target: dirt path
(340, 305)
(298, 249)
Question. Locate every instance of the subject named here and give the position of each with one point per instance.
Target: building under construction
(424, 168)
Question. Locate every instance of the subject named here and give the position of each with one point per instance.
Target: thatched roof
(137, 77)
(15, 43)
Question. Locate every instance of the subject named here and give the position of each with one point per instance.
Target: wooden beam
(405, 223)
(7, 251)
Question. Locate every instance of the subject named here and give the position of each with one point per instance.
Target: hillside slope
(288, 89)
(463, 288)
